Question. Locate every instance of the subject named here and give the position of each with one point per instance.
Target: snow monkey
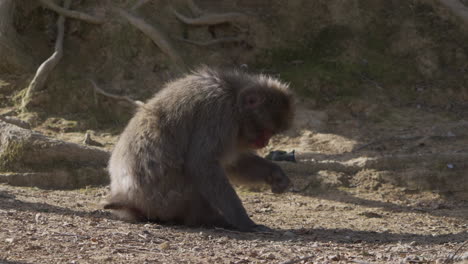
(176, 158)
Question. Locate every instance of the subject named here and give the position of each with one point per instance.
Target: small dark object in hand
(280, 155)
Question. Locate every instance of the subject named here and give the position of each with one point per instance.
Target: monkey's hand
(278, 180)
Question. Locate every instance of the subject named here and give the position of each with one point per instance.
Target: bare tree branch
(210, 19)
(72, 14)
(157, 36)
(211, 42)
(96, 88)
(47, 66)
(204, 19)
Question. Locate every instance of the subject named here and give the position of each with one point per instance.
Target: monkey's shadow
(346, 236)
(8, 202)
(2, 261)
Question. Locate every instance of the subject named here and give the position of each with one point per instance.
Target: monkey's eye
(252, 101)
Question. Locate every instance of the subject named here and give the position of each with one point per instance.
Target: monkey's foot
(262, 229)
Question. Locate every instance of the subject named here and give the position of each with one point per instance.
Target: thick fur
(172, 161)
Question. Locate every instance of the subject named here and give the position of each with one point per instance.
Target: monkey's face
(265, 112)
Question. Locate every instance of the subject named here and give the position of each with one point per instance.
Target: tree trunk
(12, 58)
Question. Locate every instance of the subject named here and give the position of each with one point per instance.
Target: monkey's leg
(201, 213)
(215, 188)
(252, 169)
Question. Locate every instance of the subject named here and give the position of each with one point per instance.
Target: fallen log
(29, 158)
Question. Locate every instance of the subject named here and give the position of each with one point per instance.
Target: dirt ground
(350, 203)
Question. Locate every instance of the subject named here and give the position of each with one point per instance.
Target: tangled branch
(47, 66)
(204, 19)
(157, 36)
(96, 88)
(72, 14)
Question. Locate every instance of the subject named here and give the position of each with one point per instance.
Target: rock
(164, 246)
(89, 141)
(16, 121)
(28, 158)
(289, 234)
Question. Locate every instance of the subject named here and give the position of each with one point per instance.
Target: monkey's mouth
(262, 139)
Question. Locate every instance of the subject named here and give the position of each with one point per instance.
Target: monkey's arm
(252, 169)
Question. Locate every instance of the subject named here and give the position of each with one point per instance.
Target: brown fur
(173, 160)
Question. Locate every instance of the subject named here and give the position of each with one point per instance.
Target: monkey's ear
(252, 100)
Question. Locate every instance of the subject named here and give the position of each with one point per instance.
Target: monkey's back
(147, 165)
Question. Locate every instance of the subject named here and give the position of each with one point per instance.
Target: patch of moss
(76, 106)
(12, 153)
(314, 66)
(340, 62)
(61, 124)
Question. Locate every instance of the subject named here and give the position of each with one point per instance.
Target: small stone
(450, 134)
(38, 217)
(266, 210)
(164, 245)
(9, 240)
(289, 234)
(196, 249)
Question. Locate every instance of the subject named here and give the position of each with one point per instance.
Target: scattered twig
(452, 257)
(211, 42)
(134, 249)
(72, 14)
(113, 96)
(239, 232)
(142, 236)
(72, 235)
(376, 84)
(47, 66)
(157, 36)
(298, 260)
